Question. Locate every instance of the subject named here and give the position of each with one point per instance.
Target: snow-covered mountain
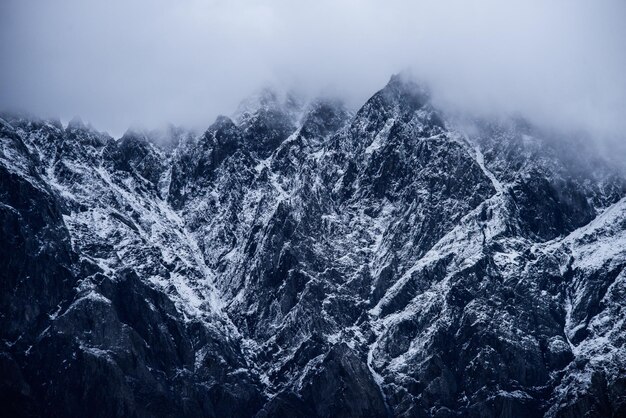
(302, 260)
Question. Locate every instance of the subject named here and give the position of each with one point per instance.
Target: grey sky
(122, 62)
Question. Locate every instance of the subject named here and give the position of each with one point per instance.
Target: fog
(120, 62)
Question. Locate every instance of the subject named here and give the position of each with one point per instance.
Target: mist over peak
(557, 63)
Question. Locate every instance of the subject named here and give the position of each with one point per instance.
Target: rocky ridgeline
(301, 260)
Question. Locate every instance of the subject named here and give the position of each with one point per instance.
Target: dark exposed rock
(300, 260)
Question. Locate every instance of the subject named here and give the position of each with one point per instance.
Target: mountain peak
(76, 123)
(378, 264)
(270, 99)
(403, 88)
(323, 117)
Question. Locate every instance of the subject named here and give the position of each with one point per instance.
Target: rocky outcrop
(303, 260)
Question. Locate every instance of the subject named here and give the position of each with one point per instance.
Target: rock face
(301, 260)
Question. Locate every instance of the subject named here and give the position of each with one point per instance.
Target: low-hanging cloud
(122, 62)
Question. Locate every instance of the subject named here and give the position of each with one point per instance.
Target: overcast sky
(118, 63)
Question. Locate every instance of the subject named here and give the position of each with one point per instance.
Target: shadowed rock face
(301, 260)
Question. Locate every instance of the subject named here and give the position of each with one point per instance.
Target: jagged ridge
(302, 260)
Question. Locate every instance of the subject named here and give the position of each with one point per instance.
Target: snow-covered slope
(301, 260)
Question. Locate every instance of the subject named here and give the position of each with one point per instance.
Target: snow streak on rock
(303, 260)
